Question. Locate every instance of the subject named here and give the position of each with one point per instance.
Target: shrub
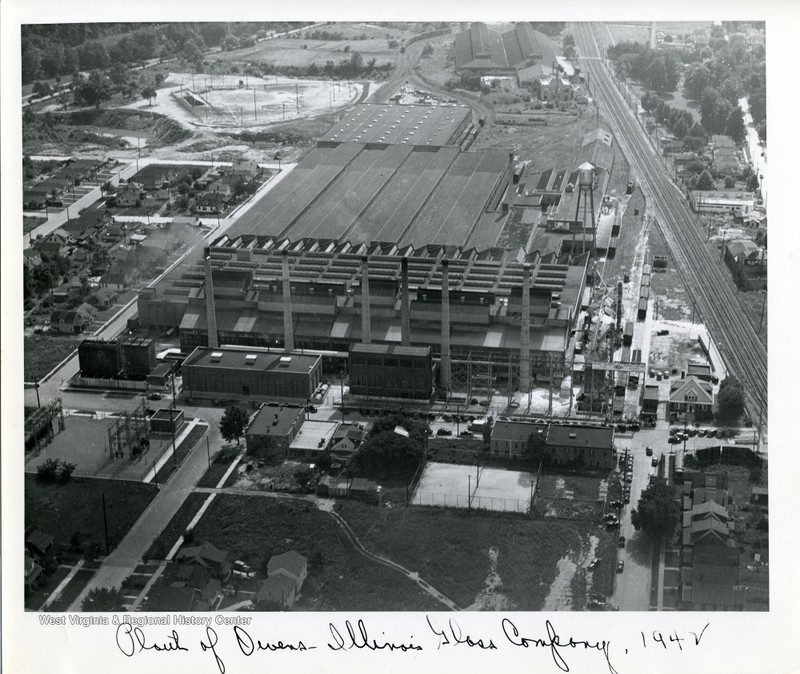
(47, 471)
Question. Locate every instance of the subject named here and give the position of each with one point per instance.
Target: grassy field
(255, 528)
(451, 548)
(369, 41)
(439, 66)
(31, 222)
(35, 598)
(219, 465)
(62, 509)
(43, 353)
(177, 526)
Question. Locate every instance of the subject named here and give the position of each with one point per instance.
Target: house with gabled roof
(291, 565)
(276, 591)
(217, 561)
(690, 396)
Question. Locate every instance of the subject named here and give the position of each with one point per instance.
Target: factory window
(406, 362)
(390, 362)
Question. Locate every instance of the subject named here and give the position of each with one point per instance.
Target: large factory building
(385, 234)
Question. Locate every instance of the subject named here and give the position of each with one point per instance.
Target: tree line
(52, 51)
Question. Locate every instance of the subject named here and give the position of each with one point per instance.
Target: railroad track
(706, 279)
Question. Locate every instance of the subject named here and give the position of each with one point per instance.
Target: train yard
(743, 351)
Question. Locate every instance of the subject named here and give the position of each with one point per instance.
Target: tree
(730, 182)
(66, 471)
(752, 183)
(387, 451)
(730, 400)
(487, 433)
(233, 422)
(48, 470)
(705, 182)
(103, 599)
(93, 90)
(149, 93)
(735, 125)
(658, 511)
(534, 448)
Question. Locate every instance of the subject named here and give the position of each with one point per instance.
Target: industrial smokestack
(525, 339)
(288, 331)
(510, 175)
(211, 312)
(405, 307)
(445, 364)
(366, 327)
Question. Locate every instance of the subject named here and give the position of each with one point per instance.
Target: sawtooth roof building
(484, 51)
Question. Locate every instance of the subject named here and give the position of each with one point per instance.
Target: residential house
(131, 194)
(291, 565)
(691, 396)
(115, 279)
(748, 263)
(163, 597)
(33, 573)
(74, 321)
(39, 544)
(103, 298)
(35, 198)
(555, 88)
(194, 576)
(313, 440)
(276, 591)
(346, 441)
(208, 555)
(32, 257)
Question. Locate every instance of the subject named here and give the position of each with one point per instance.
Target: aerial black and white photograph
(395, 316)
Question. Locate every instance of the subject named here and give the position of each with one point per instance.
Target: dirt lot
(555, 144)
(439, 66)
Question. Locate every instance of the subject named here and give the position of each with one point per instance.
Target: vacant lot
(476, 558)
(64, 509)
(254, 528)
(44, 352)
(553, 145)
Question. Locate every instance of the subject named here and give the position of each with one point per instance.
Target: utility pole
(255, 109)
(105, 521)
(208, 452)
(36, 386)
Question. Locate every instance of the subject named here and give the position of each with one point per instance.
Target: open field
(626, 32)
(44, 352)
(303, 50)
(481, 560)
(63, 509)
(254, 528)
(71, 591)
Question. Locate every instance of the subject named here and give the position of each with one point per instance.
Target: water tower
(586, 197)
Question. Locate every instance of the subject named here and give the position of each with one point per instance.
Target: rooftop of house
(292, 562)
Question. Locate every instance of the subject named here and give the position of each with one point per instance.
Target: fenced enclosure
(474, 486)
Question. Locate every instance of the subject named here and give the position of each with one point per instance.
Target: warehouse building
(229, 373)
(736, 204)
(484, 51)
(313, 440)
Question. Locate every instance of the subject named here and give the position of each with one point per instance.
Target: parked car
(444, 431)
(467, 434)
(155, 396)
(648, 451)
(620, 566)
(473, 401)
(654, 462)
(595, 605)
(312, 408)
(593, 564)
(514, 405)
(622, 541)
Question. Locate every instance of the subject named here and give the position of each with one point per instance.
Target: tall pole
(105, 520)
(208, 451)
(255, 110)
(36, 386)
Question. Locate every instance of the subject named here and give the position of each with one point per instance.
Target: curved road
(705, 276)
